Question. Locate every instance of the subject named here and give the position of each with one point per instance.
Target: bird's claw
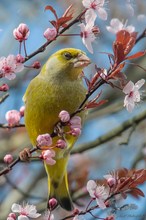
(25, 154)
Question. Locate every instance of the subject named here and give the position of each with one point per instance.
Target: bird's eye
(67, 55)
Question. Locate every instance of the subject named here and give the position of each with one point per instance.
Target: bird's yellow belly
(41, 113)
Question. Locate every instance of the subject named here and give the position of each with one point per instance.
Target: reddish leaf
(123, 45)
(136, 192)
(136, 55)
(95, 104)
(63, 20)
(69, 12)
(117, 70)
(126, 39)
(54, 23)
(118, 52)
(49, 7)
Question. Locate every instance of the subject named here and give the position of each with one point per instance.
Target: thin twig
(9, 127)
(141, 36)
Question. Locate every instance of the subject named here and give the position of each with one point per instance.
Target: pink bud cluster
(21, 33)
(13, 116)
(74, 123)
(11, 65)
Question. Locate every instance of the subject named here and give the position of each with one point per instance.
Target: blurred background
(127, 149)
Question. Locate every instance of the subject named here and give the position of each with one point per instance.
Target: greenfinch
(57, 87)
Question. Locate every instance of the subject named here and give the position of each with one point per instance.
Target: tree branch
(112, 134)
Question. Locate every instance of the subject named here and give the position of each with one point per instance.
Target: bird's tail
(58, 183)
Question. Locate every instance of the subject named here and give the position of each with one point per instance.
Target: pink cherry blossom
(8, 158)
(95, 7)
(47, 156)
(13, 117)
(87, 36)
(25, 212)
(99, 193)
(64, 116)
(50, 33)
(61, 144)
(132, 94)
(9, 66)
(44, 140)
(116, 25)
(21, 33)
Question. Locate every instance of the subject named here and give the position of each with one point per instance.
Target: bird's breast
(44, 102)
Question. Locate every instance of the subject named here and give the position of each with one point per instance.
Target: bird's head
(68, 62)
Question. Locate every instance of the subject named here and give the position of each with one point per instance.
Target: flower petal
(101, 204)
(102, 13)
(16, 208)
(139, 83)
(23, 217)
(91, 187)
(90, 16)
(129, 87)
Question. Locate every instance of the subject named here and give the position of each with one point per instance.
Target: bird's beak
(81, 61)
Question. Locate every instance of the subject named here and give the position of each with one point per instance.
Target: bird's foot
(25, 155)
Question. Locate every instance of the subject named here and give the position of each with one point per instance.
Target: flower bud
(75, 132)
(8, 158)
(52, 203)
(111, 181)
(111, 217)
(76, 211)
(64, 116)
(21, 33)
(12, 215)
(4, 87)
(44, 140)
(75, 122)
(47, 156)
(61, 144)
(13, 117)
(50, 33)
(22, 109)
(20, 58)
(36, 65)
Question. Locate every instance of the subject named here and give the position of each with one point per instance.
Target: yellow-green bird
(57, 87)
